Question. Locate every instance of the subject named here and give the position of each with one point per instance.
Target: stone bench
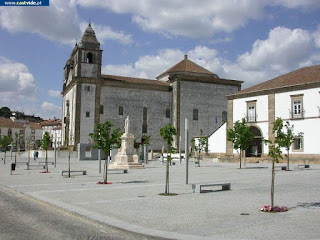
(304, 165)
(282, 167)
(40, 163)
(118, 170)
(197, 187)
(80, 171)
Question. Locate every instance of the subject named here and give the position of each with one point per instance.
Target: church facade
(186, 90)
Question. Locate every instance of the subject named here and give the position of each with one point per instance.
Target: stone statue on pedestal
(126, 156)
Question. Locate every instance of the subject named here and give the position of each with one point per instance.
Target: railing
(296, 116)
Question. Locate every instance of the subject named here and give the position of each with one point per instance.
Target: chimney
(185, 56)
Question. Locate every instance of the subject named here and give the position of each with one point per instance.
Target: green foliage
(5, 112)
(200, 145)
(167, 133)
(46, 141)
(5, 141)
(104, 138)
(240, 135)
(146, 140)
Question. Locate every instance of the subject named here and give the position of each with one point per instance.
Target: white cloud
(50, 110)
(54, 93)
(194, 18)
(58, 22)
(305, 4)
(104, 33)
(283, 51)
(190, 18)
(316, 37)
(16, 82)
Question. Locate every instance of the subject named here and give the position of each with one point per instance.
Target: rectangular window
(21, 132)
(33, 131)
(297, 106)
(87, 88)
(144, 129)
(195, 114)
(87, 114)
(101, 109)
(145, 114)
(168, 113)
(298, 144)
(121, 110)
(251, 111)
(9, 133)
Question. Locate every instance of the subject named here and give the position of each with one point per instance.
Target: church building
(186, 90)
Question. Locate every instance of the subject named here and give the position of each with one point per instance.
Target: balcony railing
(294, 115)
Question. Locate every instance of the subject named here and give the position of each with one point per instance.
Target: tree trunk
(288, 161)
(199, 159)
(240, 157)
(69, 164)
(4, 160)
(106, 167)
(167, 176)
(47, 161)
(272, 184)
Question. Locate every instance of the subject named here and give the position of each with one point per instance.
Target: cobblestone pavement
(132, 201)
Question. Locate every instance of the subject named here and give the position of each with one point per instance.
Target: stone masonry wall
(133, 102)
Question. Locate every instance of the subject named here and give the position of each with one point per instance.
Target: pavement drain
(141, 196)
(244, 214)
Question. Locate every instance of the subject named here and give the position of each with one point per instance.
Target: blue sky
(249, 40)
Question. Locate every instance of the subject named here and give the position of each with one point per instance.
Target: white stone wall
(240, 108)
(87, 105)
(310, 124)
(89, 70)
(216, 143)
(71, 97)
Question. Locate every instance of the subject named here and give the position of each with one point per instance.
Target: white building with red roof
(293, 97)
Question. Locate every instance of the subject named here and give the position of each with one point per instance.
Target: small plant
(268, 208)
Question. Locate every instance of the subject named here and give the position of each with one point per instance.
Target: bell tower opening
(89, 58)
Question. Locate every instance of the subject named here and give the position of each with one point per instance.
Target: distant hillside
(5, 112)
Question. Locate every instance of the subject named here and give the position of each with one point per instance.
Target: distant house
(294, 97)
(53, 127)
(25, 130)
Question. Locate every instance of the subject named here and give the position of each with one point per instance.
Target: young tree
(199, 145)
(167, 133)
(287, 139)
(146, 143)
(106, 140)
(240, 136)
(45, 143)
(5, 141)
(275, 151)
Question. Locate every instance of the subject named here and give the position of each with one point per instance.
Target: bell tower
(88, 55)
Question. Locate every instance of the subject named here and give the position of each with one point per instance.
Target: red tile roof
(298, 77)
(50, 122)
(8, 123)
(187, 66)
(34, 125)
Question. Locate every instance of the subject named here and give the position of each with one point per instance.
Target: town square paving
(132, 201)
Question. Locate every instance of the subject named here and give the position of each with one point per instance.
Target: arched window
(89, 57)
(224, 116)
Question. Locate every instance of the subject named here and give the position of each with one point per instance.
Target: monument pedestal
(126, 157)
